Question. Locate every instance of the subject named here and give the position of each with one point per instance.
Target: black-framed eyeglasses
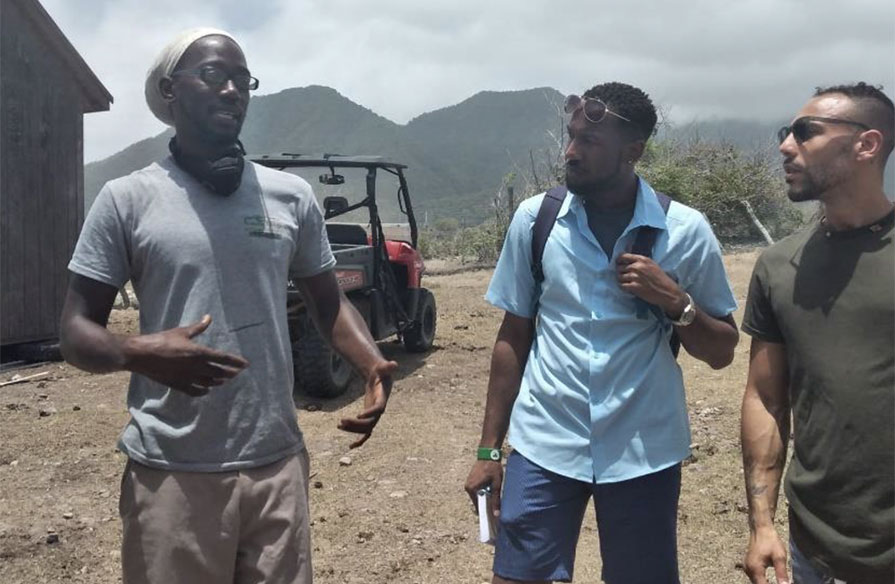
(594, 109)
(216, 77)
(801, 127)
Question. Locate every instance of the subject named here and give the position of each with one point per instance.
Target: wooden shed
(45, 89)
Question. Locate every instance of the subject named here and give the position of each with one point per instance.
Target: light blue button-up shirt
(602, 397)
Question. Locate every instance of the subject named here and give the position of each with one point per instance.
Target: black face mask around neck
(222, 175)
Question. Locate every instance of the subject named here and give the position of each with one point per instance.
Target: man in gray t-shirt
(216, 485)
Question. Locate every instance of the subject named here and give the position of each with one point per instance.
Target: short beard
(809, 190)
(815, 184)
(820, 178)
(593, 189)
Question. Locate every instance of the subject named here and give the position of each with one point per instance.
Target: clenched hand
(642, 277)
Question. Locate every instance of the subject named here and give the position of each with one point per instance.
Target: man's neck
(203, 149)
(620, 196)
(855, 204)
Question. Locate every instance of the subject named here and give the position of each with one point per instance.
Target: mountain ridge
(451, 174)
(457, 156)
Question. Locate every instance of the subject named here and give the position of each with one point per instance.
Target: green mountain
(457, 156)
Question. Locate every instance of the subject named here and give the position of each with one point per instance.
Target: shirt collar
(647, 210)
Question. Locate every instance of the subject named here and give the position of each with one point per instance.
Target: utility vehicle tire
(419, 337)
(319, 371)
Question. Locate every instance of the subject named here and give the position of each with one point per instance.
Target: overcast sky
(702, 58)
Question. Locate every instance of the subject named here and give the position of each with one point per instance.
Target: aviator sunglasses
(594, 109)
(801, 128)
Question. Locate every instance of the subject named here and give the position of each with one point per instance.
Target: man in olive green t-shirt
(821, 313)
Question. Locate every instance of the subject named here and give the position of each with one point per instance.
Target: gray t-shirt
(190, 252)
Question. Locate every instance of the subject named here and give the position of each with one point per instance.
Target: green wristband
(493, 454)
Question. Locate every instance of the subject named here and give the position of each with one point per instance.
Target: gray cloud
(702, 58)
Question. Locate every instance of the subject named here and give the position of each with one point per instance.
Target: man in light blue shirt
(587, 384)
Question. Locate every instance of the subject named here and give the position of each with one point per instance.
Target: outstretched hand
(377, 389)
(172, 358)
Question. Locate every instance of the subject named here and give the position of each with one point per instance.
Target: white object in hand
(487, 527)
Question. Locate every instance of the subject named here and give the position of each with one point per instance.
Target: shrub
(716, 179)
(713, 178)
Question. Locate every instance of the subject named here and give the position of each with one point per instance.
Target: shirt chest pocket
(244, 242)
(268, 240)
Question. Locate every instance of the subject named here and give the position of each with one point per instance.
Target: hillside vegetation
(461, 159)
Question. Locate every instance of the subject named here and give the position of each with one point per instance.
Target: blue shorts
(541, 514)
(802, 570)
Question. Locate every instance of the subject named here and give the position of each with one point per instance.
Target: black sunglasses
(801, 128)
(217, 77)
(594, 109)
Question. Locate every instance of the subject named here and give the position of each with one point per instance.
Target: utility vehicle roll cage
(335, 161)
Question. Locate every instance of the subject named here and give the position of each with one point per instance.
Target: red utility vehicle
(382, 277)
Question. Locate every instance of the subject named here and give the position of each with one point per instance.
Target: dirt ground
(398, 512)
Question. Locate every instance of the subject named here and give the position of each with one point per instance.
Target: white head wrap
(164, 66)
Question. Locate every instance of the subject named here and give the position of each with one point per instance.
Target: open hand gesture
(377, 389)
(172, 358)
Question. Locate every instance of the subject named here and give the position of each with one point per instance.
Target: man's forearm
(711, 340)
(348, 334)
(507, 364)
(339, 322)
(91, 347)
(764, 436)
(84, 340)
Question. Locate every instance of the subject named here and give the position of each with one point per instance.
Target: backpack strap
(646, 235)
(643, 245)
(547, 214)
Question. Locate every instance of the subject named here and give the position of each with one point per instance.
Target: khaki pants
(241, 527)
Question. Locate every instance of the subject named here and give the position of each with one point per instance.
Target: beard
(589, 188)
(812, 183)
(807, 190)
(815, 179)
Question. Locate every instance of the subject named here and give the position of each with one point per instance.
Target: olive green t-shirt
(830, 298)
